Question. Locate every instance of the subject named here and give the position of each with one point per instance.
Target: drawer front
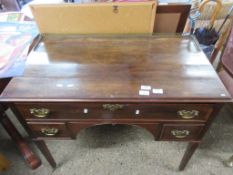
(181, 132)
(152, 127)
(48, 130)
(114, 111)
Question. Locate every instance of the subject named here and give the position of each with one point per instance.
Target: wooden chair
(206, 17)
(221, 42)
(226, 74)
(171, 18)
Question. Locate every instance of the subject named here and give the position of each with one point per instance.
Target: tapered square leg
(192, 146)
(45, 151)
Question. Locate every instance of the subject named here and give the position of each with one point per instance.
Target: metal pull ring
(112, 107)
(180, 134)
(49, 131)
(188, 114)
(40, 112)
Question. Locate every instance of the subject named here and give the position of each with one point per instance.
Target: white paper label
(163, 3)
(59, 85)
(145, 87)
(143, 92)
(157, 91)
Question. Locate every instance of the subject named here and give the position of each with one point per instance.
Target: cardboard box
(95, 18)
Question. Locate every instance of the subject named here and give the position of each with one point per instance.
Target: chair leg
(229, 162)
(45, 151)
(30, 158)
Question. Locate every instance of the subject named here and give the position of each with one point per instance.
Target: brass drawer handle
(49, 131)
(112, 107)
(40, 112)
(180, 134)
(188, 114)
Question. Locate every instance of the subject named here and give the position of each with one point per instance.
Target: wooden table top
(113, 68)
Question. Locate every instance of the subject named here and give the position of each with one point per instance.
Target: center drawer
(114, 111)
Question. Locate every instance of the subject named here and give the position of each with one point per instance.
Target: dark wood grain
(68, 111)
(45, 151)
(76, 127)
(37, 126)
(194, 131)
(192, 146)
(68, 74)
(79, 68)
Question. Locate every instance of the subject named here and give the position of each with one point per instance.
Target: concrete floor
(126, 150)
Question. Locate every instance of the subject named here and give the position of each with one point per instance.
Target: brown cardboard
(95, 18)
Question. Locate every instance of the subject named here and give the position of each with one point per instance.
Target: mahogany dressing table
(164, 84)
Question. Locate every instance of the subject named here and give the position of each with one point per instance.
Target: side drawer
(181, 132)
(48, 130)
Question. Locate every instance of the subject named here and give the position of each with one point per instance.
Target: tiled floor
(126, 150)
